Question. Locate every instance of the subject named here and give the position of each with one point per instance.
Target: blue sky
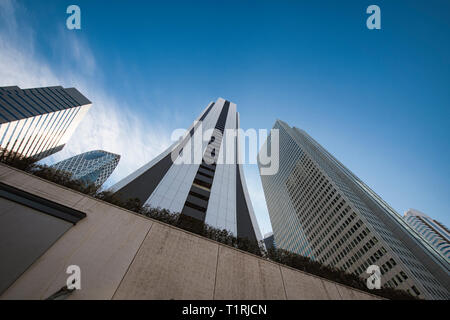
(378, 100)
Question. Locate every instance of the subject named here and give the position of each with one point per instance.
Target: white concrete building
(204, 187)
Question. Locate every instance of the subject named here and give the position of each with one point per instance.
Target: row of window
(339, 222)
(346, 240)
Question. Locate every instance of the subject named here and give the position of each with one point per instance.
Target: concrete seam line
(282, 281)
(339, 292)
(325, 288)
(215, 276)
(132, 260)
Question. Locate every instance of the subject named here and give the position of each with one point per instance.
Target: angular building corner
(435, 233)
(320, 209)
(91, 167)
(208, 190)
(36, 123)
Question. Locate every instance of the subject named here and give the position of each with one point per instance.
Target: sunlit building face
(35, 123)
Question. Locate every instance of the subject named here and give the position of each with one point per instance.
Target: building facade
(434, 232)
(269, 241)
(35, 123)
(206, 187)
(320, 209)
(91, 167)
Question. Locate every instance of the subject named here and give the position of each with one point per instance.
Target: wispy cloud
(109, 126)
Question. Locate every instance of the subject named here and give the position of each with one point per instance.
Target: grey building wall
(320, 209)
(29, 225)
(123, 255)
(38, 122)
(26, 234)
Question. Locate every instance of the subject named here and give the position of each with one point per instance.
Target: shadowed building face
(320, 209)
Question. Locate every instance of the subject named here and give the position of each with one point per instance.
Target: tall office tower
(207, 187)
(434, 232)
(91, 167)
(320, 209)
(35, 123)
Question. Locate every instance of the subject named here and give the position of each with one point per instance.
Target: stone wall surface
(126, 256)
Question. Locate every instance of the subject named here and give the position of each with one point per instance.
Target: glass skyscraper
(91, 167)
(320, 209)
(434, 232)
(35, 123)
(207, 190)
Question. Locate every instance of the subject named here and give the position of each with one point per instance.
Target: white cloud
(108, 125)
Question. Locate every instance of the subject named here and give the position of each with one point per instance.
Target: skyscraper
(38, 122)
(91, 167)
(434, 232)
(320, 209)
(204, 187)
(269, 240)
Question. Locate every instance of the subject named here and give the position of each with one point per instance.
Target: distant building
(434, 232)
(269, 240)
(91, 167)
(35, 123)
(320, 209)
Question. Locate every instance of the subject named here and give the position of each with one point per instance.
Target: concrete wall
(126, 256)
